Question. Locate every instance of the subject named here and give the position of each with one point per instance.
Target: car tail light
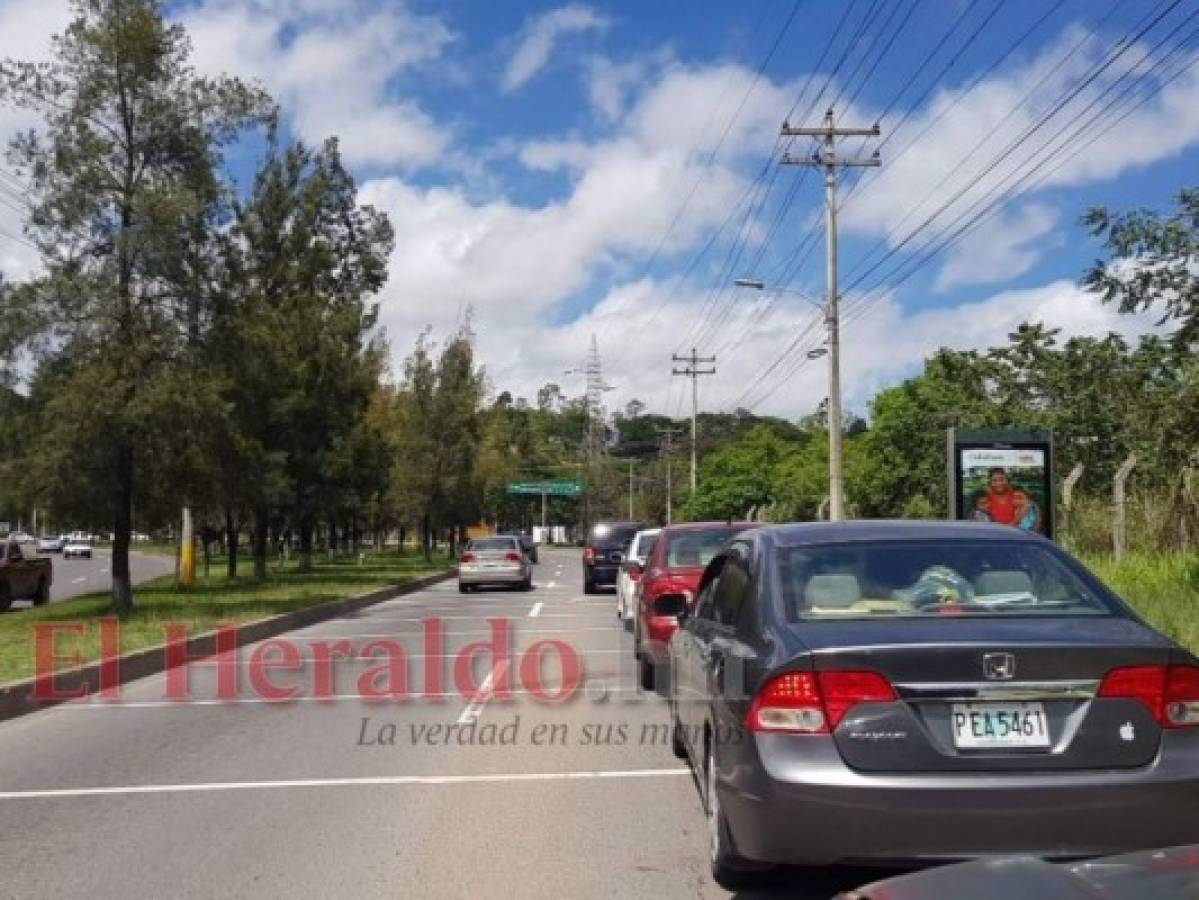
(1182, 697)
(468, 557)
(588, 556)
(814, 702)
(1170, 693)
(512, 557)
(845, 690)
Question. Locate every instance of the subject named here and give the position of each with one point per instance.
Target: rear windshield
(496, 543)
(696, 548)
(914, 579)
(612, 535)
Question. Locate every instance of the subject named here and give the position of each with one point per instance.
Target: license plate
(999, 726)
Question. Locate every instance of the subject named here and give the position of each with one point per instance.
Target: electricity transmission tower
(827, 157)
(595, 437)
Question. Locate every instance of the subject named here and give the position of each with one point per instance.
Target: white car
(630, 571)
(77, 547)
(51, 544)
(21, 537)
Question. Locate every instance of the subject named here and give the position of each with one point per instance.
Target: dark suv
(607, 543)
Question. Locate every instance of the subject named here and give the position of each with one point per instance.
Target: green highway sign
(550, 488)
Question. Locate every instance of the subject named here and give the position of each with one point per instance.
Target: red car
(668, 584)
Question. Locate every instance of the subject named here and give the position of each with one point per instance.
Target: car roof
(706, 526)
(800, 533)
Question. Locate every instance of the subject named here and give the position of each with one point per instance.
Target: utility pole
(630, 490)
(693, 371)
(829, 133)
(667, 435)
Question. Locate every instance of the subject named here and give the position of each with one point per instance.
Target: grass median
(213, 601)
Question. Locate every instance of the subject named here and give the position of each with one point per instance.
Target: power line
(945, 179)
(702, 326)
(932, 248)
(1015, 144)
(716, 149)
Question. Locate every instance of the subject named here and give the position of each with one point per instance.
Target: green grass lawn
(213, 601)
(1164, 588)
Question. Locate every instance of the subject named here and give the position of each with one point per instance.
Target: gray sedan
(879, 692)
(494, 560)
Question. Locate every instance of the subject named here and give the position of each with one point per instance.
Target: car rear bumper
(505, 575)
(810, 809)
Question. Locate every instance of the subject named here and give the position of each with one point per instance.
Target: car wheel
(5, 597)
(677, 747)
(730, 870)
(42, 597)
(588, 585)
(528, 585)
(463, 588)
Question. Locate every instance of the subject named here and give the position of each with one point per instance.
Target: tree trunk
(426, 538)
(231, 538)
(122, 583)
(305, 546)
(403, 536)
(260, 535)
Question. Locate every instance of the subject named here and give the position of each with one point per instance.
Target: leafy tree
(1152, 262)
(307, 258)
(739, 476)
(120, 177)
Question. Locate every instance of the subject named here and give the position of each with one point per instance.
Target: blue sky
(557, 169)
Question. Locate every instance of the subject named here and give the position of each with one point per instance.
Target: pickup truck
(22, 577)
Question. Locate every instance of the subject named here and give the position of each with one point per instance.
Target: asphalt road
(309, 798)
(76, 577)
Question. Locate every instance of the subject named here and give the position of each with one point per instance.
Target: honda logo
(999, 666)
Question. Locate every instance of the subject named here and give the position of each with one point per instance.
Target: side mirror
(632, 567)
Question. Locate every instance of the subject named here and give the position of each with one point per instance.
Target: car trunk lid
(1001, 695)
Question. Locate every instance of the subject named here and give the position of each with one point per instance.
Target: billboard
(1004, 477)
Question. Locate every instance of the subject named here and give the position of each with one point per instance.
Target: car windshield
(498, 543)
(931, 578)
(696, 548)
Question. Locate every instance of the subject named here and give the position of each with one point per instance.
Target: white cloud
(641, 323)
(542, 34)
(610, 83)
(908, 188)
(517, 265)
(332, 66)
(1005, 246)
(25, 30)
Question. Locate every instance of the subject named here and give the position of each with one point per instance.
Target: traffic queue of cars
(907, 692)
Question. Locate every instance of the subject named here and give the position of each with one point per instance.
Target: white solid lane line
(562, 632)
(376, 781)
(536, 610)
(91, 703)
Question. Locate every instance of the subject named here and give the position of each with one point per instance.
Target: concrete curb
(17, 698)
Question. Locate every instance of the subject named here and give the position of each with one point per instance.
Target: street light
(759, 285)
(836, 463)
